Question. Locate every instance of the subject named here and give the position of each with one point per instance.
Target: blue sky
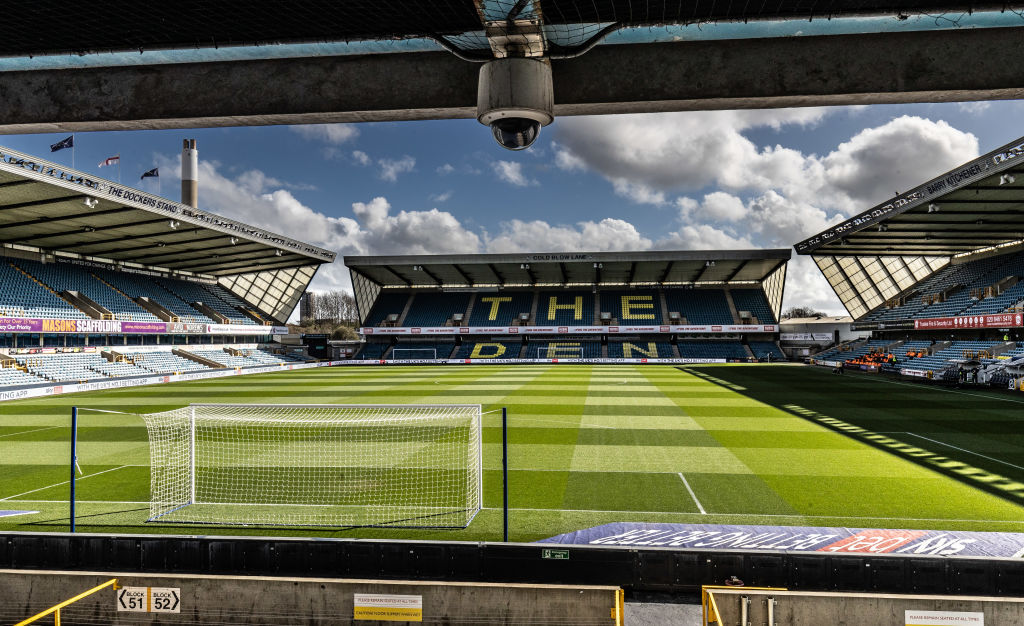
(665, 181)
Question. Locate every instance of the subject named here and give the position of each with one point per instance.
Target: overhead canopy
(882, 252)
(570, 269)
(34, 29)
(57, 210)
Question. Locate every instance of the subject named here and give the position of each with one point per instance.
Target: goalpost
(316, 465)
(398, 354)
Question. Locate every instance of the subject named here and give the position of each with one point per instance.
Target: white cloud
(703, 237)
(374, 227)
(540, 236)
(327, 133)
(511, 172)
(443, 197)
(638, 192)
(446, 169)
(391, 168)
(670, 151)
(974, 107)
(566, 160)
(719, 206)
(360, 157)
(878, 162)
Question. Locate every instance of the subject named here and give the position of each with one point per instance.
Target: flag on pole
(64, 143)
(155, 173)
(114, 160)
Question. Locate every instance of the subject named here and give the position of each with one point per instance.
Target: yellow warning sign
(388, 607)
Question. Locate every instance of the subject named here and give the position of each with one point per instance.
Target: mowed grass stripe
(589, 445)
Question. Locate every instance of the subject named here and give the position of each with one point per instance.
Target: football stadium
(552, 437)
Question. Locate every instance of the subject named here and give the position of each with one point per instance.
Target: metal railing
(55, 610)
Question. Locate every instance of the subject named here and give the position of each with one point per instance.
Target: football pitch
(780, 445)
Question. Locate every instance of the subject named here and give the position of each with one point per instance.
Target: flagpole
(72, 150)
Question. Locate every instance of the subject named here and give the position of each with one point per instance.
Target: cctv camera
(515, 98)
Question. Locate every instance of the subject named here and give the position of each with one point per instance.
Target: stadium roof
(47, 207)
(764, 268)
(456, 24)
(570, 268)
(884, 251)
(184, 64)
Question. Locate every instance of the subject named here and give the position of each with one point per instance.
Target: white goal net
(316, 465)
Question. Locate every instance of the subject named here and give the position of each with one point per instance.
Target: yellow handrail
(56, 608)
(709, 607)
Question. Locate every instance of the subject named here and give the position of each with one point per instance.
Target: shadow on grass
(974, 437)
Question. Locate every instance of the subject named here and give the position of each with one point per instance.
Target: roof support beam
(706, 75)
(667, 272)
(464, 275)
(423, 268)
(15, 183)
(87, 229)
(497, 275)
(738, 269)
(25, 205)
(52, 219)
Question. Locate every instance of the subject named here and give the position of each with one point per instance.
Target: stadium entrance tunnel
(933, 428)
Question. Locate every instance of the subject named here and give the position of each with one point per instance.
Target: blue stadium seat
(565, 308)
(639, 349)
(488, 350)
(500, 308)
(699, 306)
(698, 349)
(640, 307)
(435, 309)
(756, 302)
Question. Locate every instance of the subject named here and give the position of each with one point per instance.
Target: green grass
(758, 444)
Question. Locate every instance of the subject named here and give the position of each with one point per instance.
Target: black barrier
(655, 570)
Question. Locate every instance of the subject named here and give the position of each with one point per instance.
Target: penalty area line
(949, 445)
(64, 482)
(692, 495)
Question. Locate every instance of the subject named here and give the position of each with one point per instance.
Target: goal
(316, 465)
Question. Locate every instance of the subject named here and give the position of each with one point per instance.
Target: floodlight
(174, 224)
(1006, 179)
(234, 240)
(90, 202)
(933, 208)
(277, 253)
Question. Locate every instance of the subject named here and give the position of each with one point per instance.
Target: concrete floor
(656, 614)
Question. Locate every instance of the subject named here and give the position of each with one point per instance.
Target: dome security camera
(515, 98)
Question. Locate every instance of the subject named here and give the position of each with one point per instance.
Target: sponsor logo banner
(116, 327)
(52, 390)
(805, 336)
(510, 361)
(998, 320)
(940, 543)
(245, 329)
(564, 330)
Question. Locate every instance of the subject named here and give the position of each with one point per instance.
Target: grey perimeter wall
(271, 600)
(860, 609)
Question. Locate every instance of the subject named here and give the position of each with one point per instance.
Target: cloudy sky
(711, 180)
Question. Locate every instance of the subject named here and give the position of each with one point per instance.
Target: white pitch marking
(766, 515)
(949, 445)
(692, 495)
(34, 430)
(64, 482)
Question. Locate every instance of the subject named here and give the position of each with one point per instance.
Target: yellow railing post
(56, 608)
